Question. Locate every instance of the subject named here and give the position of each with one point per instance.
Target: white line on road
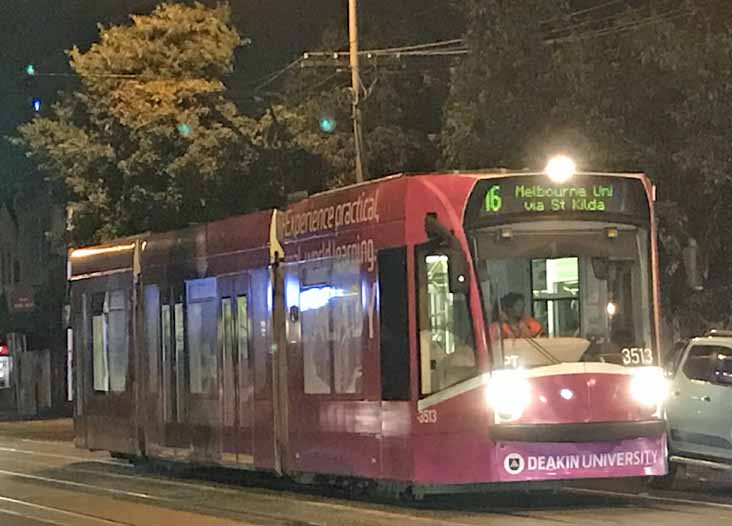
(32, 519)
(67, 457)
(80, 485)
(58, 511)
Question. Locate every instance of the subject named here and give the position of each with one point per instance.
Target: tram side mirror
(294, 314)
(600, 267)
(694, 266)
(458, 272)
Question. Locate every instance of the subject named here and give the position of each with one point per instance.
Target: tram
(434, 332)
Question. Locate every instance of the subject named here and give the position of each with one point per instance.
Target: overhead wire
(586, 23)
(277, 74)
(595, 21)
(583, 11)
(443, 48)
(659, 18)
(416, 47)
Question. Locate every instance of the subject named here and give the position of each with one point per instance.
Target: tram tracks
(317, 506)
(367, 512)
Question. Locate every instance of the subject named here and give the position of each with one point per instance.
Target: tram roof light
(560, 168)
(506, 233)
(86, 252)
(612, 233)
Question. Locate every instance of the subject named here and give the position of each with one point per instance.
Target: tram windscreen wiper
(541, 349)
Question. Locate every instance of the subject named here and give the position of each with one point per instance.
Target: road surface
(44, 480)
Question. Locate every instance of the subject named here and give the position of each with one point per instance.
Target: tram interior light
(560, 169)
(318, 297)
(649, 386)
(508, 393)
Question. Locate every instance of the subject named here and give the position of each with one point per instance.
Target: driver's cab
(587, 288)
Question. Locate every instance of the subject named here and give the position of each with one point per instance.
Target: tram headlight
(648, 386)
(508, 393)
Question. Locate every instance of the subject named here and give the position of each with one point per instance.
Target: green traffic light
(30, 69)
(184, 129)
(327, 124)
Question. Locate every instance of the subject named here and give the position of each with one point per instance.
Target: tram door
(236, 361)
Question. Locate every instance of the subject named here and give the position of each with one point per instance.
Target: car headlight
(508, 393)
(649, 386)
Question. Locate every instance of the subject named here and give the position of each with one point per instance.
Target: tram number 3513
(637, 356)
(428, 416)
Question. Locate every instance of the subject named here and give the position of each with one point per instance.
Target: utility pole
(355, 88)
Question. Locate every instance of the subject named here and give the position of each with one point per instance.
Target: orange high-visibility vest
(528, 328)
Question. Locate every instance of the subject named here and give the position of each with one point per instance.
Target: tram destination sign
(537, 195)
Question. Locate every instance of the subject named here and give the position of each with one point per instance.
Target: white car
(699, 408)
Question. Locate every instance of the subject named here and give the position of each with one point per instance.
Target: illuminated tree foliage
(150, 141)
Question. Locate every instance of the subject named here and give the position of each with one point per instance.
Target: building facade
(33, 357)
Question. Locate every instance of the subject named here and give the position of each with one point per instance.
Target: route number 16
(637, 356)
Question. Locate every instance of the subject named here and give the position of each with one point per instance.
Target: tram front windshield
(559, 292)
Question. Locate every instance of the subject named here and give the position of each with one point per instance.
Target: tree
(405, 95)
(503, 94)
(149, 141)
(648, 90)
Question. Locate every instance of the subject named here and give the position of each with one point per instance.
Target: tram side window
(317, 356)
(110, 341)
(118, 341)
(168, 359)
(242, 322)
(447, 352)
(226, 339)
(201, 318)
(180, 363)
(332, 318)
(99, 343)
(347, 324)
(153, 336)
(394, 324)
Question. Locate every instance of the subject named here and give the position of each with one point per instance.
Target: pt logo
(514, 464)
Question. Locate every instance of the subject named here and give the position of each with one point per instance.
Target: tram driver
(513, 321)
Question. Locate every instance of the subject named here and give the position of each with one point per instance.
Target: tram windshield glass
(566, 291)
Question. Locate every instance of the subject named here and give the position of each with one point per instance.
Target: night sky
(39, 31)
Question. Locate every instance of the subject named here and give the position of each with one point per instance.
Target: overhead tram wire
(656, 19)
(415, 47)
(586, 23)
(444, 48)
(591, 22)
(269, 79)
(583, 11)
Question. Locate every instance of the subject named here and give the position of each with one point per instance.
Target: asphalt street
(44, 480)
